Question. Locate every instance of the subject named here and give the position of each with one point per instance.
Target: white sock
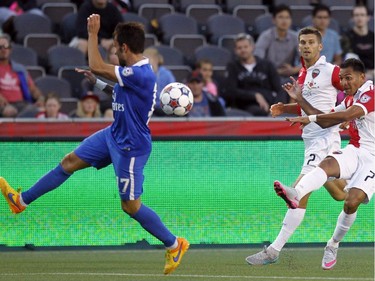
(21, 201)
(344, 222)
(292, 220)
(174, 246)
(311, 181)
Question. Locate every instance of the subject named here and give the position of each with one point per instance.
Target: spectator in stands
(205, 67)
(12, 8)
(321, 17)
(18, 94)
(359, 40)
(279, 44)
(205, 104)
(163, 75)
(87, 107)
(252, 83)
(52, 108)
(110, 17)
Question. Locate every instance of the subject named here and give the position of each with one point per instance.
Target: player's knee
(68, 163)
(351, 205)
(330, 167)
(130, 207)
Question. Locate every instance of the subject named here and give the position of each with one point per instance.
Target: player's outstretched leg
(267, 256)
(12, 196)
(173, 257)
(329, 257)
(288, 194)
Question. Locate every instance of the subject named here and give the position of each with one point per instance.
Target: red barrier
(171, 127)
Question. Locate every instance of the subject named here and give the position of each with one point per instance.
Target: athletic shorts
(357, 167)
(100, 150)
(317, 149)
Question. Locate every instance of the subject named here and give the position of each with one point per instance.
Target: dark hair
(321, 7)
(281, 8)
(199, 63)
(52, 95)
(310, 30)
(356, 64)
(361, 6)
(132, 34)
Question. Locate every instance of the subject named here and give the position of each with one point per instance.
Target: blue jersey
(133, 101)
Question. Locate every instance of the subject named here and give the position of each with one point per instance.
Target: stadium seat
(299, 13)
(348, 3)
(187, 44)
(151, 40)
(36, 71)
(292, 2)
(68, 105)
(74, 78)
(129, 16)
(230, 5)
(218, 56)
(68, 27)
(155, 11)
(136, 4)
(227, 42)
(248, 13)
(170, 55)
(219, 25)
(40, 3)
(30, 23)
(40, 43)
(180, 72)
(63, 55)
(24, 55)
(201, 13)
(342, 15)
(56, 12)
(262, 23)
(172, 24)
(184, 4)
(53, 84)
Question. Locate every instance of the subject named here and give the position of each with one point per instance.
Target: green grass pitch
(302, 264)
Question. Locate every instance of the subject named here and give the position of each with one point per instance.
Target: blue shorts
(100, 150)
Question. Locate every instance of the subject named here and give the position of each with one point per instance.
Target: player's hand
(344, 126)
(293, 89)
(302, 120)
(88, 74)
(93, 24)
(277, 109)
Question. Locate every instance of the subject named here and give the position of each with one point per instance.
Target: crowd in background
(249, 84)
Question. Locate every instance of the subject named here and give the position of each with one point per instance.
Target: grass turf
(198, 264)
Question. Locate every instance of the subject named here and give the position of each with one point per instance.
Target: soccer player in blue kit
(126, 143)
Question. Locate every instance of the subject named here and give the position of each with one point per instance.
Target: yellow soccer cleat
(12, 197)
(173, 257)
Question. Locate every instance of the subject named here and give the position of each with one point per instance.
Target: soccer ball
(176, 98)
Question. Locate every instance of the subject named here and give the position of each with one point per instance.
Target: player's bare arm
(281, 108)
(93, 80)
(96, 62)
(294, 90)
(331, 119)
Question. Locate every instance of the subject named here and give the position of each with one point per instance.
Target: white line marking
(190, 276)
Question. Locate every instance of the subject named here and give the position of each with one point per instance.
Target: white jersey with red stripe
(353, 132)
(320, 84)
(365, 125)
